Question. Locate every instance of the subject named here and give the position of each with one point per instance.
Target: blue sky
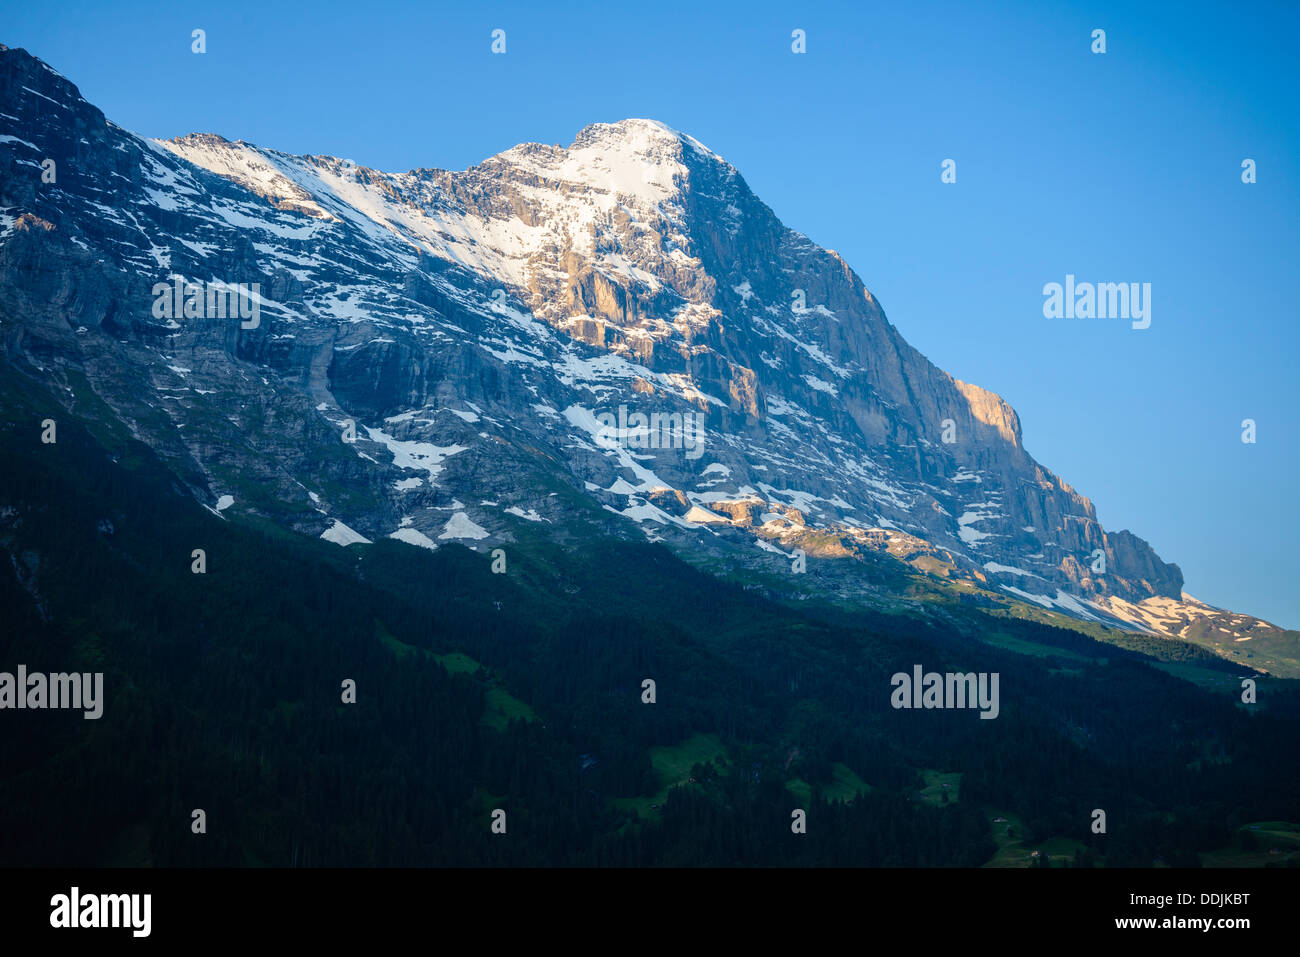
(1120, 167)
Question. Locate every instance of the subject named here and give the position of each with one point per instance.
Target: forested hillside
(523, 692)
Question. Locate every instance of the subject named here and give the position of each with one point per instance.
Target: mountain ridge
(477, 323)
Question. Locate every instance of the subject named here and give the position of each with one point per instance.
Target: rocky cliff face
(492, 338)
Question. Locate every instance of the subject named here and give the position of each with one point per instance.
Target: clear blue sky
(1117, 167)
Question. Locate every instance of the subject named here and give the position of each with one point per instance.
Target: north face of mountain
(477, 330)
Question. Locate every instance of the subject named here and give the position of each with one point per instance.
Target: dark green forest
(522, 691)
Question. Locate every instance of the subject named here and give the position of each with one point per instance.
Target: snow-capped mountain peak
(481, 328)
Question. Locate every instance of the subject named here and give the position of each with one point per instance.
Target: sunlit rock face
(617, 337)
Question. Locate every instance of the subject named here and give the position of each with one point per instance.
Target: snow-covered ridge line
(632, 268)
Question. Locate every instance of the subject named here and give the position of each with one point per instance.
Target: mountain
(617, 338)
(359, 396)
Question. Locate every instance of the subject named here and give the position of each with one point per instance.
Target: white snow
(5, 138)
(584, 419)
(460, 526)
(44, 97)
(701, 516)
(420, 456)
(1007, 570)
(340, 534)
(413, 537)
(821, 385)
(531, 515)
(1063, 600)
